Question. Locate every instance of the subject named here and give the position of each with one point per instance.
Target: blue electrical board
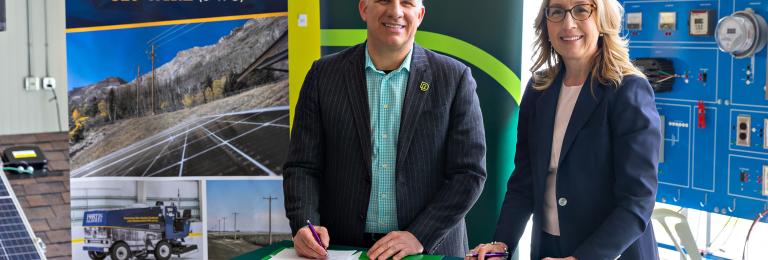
(712, 101)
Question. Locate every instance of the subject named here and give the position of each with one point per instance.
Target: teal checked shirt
(386, 92)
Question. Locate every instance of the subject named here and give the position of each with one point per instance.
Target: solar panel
(248, 143)
(3, 190)
(17, 240)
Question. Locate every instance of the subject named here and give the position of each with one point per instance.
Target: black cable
(29, 45)
(45, 25)
(47, 64)
(757, 219)
(58, 109)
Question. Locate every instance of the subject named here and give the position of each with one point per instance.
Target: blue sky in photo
(246, 197)
(94, 56)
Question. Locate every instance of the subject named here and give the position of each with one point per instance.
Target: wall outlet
(32, 83)
(743, 130)
(49, 83)
(765, 180)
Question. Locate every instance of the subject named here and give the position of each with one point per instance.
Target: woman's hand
(482, 249)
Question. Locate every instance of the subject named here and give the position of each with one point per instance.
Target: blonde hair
(612, 61)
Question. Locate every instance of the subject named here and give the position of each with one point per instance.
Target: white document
(290, 254)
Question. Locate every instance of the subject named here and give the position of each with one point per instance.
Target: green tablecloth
(275, 248)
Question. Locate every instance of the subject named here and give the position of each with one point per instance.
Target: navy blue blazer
(606, 179)
(440, 164)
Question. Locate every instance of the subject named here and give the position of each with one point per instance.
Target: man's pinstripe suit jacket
(440, 169)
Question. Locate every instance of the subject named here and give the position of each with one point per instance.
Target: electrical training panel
(706, 61)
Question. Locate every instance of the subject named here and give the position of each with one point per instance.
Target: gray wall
(31, 112)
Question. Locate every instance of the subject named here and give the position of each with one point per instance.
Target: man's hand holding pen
(312, 241)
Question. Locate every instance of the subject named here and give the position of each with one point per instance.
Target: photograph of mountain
(172, 100)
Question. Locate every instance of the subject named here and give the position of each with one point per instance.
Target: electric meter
(742, 34)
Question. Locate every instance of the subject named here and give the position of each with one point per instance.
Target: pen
(487, 255)
(314, 233)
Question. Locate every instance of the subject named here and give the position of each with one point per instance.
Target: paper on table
(343, 254)
(290, 254)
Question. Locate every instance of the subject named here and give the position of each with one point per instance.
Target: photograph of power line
(144, 219)
(173, 100)
(244, 215)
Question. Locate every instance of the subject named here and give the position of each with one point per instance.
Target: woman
(588, 143)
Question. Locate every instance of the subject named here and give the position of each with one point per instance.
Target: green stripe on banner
(441, 43)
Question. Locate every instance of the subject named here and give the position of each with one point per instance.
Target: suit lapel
(546, 106)
(414, 101)
(582, 111)
(358, 98)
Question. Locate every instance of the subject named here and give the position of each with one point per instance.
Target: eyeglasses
(578, 12)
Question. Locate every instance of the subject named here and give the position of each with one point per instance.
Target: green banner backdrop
(485, 35)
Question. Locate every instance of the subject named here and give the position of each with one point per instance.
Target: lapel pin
(424, 86)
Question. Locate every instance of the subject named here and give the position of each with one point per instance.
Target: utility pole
(235, 227)
(225, 224)
(138, 92)
(270, 198)
(152, 56)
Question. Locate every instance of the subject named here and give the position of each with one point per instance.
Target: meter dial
(742, 34)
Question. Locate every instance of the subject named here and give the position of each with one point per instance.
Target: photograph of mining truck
(137, 232)
(150, 218)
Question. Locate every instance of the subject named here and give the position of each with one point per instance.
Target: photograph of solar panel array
(207, 104)
(250, 143)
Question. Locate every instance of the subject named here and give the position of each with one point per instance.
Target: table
(273, 249)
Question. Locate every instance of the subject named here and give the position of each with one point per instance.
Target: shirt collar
(406, 65)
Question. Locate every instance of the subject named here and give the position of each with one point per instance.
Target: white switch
(32, 83)
(49, 83)
(302, 20)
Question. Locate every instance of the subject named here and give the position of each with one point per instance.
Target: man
(388, 147)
